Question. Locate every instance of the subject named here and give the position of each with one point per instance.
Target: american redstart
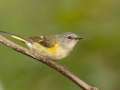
(55, 46)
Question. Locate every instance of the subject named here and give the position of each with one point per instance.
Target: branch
(44, 59)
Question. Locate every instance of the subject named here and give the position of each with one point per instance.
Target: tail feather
(13, 36)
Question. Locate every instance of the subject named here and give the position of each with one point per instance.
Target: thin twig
(44, 59)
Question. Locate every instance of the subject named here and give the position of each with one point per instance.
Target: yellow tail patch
(18, 38)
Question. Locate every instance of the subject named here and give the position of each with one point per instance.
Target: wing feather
(43, 40)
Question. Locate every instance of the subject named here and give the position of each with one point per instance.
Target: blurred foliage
(95, 59)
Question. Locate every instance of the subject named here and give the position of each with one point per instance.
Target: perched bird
(55, 47)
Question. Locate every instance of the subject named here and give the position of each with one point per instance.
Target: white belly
(57, 55)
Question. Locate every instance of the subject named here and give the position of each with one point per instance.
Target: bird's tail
(13, 36)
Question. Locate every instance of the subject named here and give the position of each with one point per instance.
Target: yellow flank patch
(53, 50)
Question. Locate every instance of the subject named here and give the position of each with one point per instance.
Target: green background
(96, 59)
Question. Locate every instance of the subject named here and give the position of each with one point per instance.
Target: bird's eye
(70, 37)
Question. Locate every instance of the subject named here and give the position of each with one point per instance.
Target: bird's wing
(43, 40)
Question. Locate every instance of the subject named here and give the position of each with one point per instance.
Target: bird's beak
(78, 38)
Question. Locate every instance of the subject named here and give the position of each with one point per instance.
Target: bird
(56, 47)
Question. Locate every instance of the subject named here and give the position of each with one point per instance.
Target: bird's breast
(57, 52)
